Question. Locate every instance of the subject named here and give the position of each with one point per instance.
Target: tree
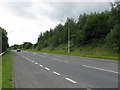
(3, 40)
(96, 27)
(27, 45)
(113, 39)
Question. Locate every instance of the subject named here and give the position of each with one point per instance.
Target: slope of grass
(87, 51)
(0, 72)
(7, 70)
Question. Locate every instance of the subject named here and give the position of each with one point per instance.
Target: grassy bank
(86, 51)
(7, 70)
(0, 72)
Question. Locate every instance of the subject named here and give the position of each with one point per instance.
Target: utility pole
(22, 46)
(68, 39)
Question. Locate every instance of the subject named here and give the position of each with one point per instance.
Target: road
(45, 70)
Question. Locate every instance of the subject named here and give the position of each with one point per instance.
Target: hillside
(94, 34)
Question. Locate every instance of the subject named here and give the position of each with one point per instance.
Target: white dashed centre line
(47, 68)
(36, 63)
(56, 73)
(41, 65)
(70, 80)
(25, 57)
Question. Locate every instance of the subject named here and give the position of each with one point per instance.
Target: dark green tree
(3, 40)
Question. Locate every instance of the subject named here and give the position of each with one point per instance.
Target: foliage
(100, 28)
(113, 39)
(3, 40)
(25, 45)
(95, 28)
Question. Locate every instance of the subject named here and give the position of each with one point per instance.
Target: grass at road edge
(7, 70)
(80, 54)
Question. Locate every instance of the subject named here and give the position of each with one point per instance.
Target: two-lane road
(45, 70)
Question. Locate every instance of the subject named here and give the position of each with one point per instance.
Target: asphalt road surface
(45, 70)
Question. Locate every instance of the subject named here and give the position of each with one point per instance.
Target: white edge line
(56, 73)
(70, 80)
(101, 69)
(59, 60)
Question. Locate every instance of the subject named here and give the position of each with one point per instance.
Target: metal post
(22, 46)
(68, 40)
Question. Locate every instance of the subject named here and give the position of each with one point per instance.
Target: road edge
(13, 75)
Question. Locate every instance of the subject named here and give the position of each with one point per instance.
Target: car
(18, 50)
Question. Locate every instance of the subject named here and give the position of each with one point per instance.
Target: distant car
(18, 50)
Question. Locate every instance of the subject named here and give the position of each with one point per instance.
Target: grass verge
(0, 72)
(7, 70)
(86, 51)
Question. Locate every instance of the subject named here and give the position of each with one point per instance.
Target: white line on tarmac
(47, 68)
(59, 60)
(41, 65)
(56, 73)
(70, 80)
(36, 63)
(101, 69)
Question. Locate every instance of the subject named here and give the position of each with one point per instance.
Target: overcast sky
(24, 21)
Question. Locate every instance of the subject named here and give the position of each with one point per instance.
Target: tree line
(99, 28)
(3, 40)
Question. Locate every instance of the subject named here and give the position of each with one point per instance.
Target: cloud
(55, 10)
(63, 10)
(21, 9)
(25, 20)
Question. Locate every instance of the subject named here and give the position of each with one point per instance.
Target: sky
(25, 20)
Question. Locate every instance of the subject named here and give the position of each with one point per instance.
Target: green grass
(86, 51)
(0, 72)
(7, 70)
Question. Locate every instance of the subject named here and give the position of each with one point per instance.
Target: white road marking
(41, 65)
(36, 63)
(70, 80)
(101, 69)
(47, 68)
(56, 73)
(88, 88)
(59, 60)
(25, 57)
(32, 61)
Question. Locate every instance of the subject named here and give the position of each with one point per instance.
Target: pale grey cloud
(20, 9)
(63, 10)
(27, 19)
